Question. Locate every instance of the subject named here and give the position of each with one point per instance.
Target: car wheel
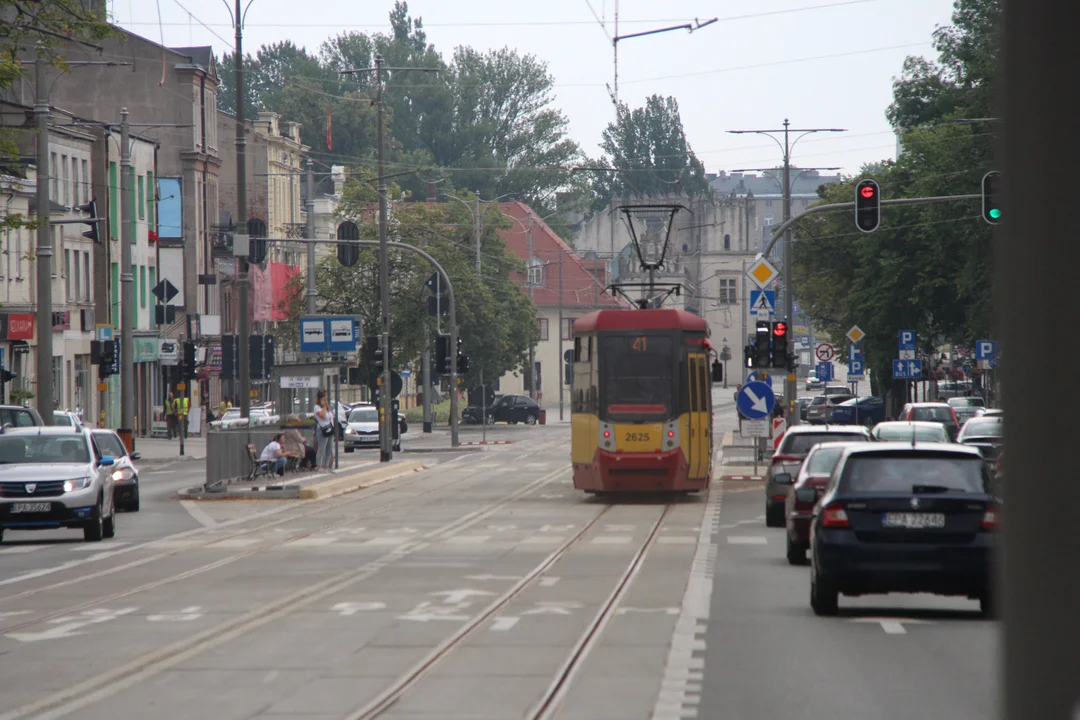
(796, 555)
(133, 504)
(108, 525)
(774, 515)
(349, 449)
(530, 419)
(93, 530)
(490, 419)
(824, 597)
(1, 536)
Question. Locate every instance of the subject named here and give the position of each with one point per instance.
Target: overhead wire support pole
(790, 384)
(386, 435)
(691, 27)
(309, 231)
(244, 302)
(127, 278)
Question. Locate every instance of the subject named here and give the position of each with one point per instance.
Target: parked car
(508, 408)
(897, 518)
(63, 418)
(813, 383)
(15, 416)
(932, 412)
(788, 458)
(820, 409)
(53, 478)
(801, 404)
(868, 411)
(803, 495)
(910, 431)
(966, 408)
(984, 434)
(232, 419)
(837, 390)
(125, 475)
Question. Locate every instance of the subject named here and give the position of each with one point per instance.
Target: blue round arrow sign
(755, 400)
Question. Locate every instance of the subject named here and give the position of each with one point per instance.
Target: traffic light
(103, 354)
(187, 366)
(348, 254)
(867, 205)
(462, 360)
(92, 221)
(442, 355)
(780, 344)
(991, 197)
(762, 341)
(269, 343)
(228, 357)
(257, 250)
(748, 356)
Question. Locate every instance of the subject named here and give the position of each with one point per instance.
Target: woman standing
(324, 431)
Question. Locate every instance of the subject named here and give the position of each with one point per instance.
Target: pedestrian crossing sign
(762, 302)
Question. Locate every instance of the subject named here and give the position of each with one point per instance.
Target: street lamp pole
(790, 384)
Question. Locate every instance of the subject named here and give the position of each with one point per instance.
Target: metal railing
(226, 450)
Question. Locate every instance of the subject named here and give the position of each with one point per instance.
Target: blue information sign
(328, 334)
(855, 368)
(907, 339)
(906, 369)
(824, 371)
(985, 350)
(755, 400)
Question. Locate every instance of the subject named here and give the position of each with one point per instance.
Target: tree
(497, 322)
(648, 148)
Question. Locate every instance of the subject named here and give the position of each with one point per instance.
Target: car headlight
(81, 483)
(123, 475)
(350, 431)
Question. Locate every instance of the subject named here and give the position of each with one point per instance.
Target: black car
(903, 517)
(508, 408)
(125, 475)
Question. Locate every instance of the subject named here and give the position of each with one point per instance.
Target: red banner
(21, 326)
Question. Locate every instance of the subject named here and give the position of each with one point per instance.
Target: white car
(231, 419)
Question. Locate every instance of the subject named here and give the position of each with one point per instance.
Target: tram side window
(638, 371)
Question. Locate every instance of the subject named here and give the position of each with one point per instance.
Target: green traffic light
(995, 214)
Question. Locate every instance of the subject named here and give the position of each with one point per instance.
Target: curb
(359, 481)
(489, 442)
(150, 462)
(441, 450)
(742, 477)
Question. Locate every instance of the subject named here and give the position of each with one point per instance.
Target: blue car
(867, 411)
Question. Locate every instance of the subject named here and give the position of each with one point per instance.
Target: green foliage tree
(649, 148)
(497, 322)
(928, 267)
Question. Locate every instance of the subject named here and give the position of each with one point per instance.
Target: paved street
(483, 587)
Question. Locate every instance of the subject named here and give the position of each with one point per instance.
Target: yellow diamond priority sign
(855, 334)
(762, 273)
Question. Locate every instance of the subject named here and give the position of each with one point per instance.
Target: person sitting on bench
(274, 455)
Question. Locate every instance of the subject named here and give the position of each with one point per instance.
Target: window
(802, 443)
(536, 272)
(141, 197)
(58, 372)
(729, 294)
(114, 295)
(768, 203)
(142, 286)
(76, 278)
(114, 201)
(74, 181)
(727, 242)
(87, 190)
(65, 187)
(638, 374)
(134, 292)
(52, 169)
(67, 275)
(153, 279)
(151, 198)
(87, 290)
(907, 473)
(109, 444)
(543, 323)
(568, 328)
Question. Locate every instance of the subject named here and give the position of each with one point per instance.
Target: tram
(641, 401)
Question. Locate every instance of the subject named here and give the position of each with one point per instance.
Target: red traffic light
(779, 329)
(867, 191)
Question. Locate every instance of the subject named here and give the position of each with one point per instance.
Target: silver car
(362, 428)
(820, 409)
(52, 477)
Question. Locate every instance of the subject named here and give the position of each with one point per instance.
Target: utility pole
(44, 243)
(310, 233)
(532, 295)
(386, 435)
(791, 388)
(561, 361)
(127, 309)
(244, 303)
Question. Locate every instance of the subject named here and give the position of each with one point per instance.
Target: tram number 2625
(634, 437)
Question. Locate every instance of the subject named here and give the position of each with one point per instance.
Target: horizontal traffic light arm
(783, 227)
(84, 221)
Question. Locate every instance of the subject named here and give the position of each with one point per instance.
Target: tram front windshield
(638, 375)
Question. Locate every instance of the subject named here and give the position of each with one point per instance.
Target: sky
(818, 63)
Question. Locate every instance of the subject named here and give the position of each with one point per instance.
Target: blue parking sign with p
(907, 339)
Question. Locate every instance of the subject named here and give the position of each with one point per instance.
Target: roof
(911, 423)
(202, 55)
(659, 319)
(839, 429)
(804, 182)
(49, 430)
(580, 288)
(922, 448)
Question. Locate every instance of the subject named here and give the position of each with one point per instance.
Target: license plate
(30, 507)
(913, 521)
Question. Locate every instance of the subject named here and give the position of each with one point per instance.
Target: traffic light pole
(44, 243)
(126, 430)
(244, 310)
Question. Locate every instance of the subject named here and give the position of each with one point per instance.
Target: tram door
(696, 446)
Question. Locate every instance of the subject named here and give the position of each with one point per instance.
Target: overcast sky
(820, 63)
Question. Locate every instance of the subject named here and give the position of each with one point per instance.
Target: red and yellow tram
(641, 410)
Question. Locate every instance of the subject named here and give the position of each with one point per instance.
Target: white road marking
(238, 542)
(198, 513)
(747, 540)
(548, 581)
(468, 540)
(64, 627)
(543, 539)
(19, 549)
(892, 626)
(311, 542)
(187, 614)
(387, 541)
(453, 597)
(676, 540)
(503, 623)
(502, 528)
(94, 547)
(346, 609)
(493, 577)
(553, 608)
(664, 610)
(619, 528)
(12, 613)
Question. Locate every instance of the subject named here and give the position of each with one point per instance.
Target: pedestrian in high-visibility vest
(172, 420)
(183, 402)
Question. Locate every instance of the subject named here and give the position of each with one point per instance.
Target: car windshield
(840, 399)
(904, 432)
(43, 449)
(63, 420)
(988, 427)
(911, 472)
(819, 400)
(823, 460)
(365, 415)
(801, 443)
(933, 414)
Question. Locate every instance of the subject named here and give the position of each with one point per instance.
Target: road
(483, 587)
